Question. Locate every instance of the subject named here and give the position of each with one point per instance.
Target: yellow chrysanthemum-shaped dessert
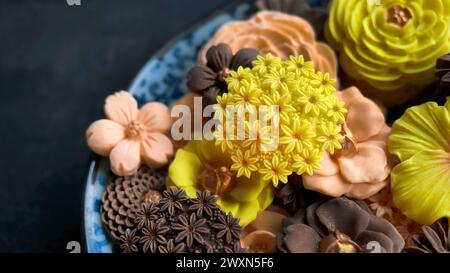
(201, 165)
(421, 182)
(389, 48)
(287, 114)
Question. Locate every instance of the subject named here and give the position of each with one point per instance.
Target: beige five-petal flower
(130, 135)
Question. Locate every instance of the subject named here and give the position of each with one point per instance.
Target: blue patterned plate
(161, 79)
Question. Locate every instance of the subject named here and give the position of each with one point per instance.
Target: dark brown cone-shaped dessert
(180, 224)
(433, 239)
(123, 196)
(338, 225)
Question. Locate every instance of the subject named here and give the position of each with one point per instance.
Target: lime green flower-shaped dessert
(298, 119)
(421, 182)
(201, 165)
(389, 48)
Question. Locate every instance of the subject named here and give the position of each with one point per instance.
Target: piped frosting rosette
(389, 49)
(277, 33)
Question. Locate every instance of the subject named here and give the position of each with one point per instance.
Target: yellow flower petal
(184, 169)
(249, 189)
(421, 186)
(247, 211)
(420, 128)
(246, 198)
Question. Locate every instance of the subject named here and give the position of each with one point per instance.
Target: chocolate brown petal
(298, 218)
(344, 215)
(286, 6)
(422, 243)
(385, 244)
(442, 64)
(268, 5)
(244, 57)
(300, 7)
(313, 220)
(200, 78)
(381, 225)
(219, 57)
(281, 248)
(434, 239)
(414, 249)
(445, 80)
(301, 239)
(210, 96)
(363, 205)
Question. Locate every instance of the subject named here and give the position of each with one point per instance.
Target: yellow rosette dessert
(277, 33)
(201, 165)
(421, 182)
(390, 49)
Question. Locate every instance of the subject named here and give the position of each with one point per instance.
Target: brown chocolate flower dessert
(123, 197)
(181, 224)
(209, 79)
(338, 225)
(434, 239)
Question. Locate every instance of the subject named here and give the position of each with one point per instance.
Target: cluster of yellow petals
(309, 119)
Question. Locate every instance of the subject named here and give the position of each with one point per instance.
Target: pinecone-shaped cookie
(123, 196)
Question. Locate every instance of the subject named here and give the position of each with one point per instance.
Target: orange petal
(365, 190)
(259, 241)
(156, 150)
(269, 221)
(349, 94)
(103, 135)
(328, 166)
(121, 107)
(364, 119)
(155, 117)
(383, 135)
(333, 185)
(329, 59)
(365, 166)
(125, 158)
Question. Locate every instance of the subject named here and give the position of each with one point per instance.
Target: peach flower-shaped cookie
(277, 33)
(362, 167)
(130, 135)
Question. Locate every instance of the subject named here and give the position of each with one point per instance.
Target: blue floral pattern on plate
(161, 79)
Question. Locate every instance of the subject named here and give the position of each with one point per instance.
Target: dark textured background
(57, 65)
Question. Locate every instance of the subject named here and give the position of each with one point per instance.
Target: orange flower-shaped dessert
(279, 34)
(130, 135)
(363, 166)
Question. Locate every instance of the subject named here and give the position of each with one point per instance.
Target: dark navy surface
(57, 65)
